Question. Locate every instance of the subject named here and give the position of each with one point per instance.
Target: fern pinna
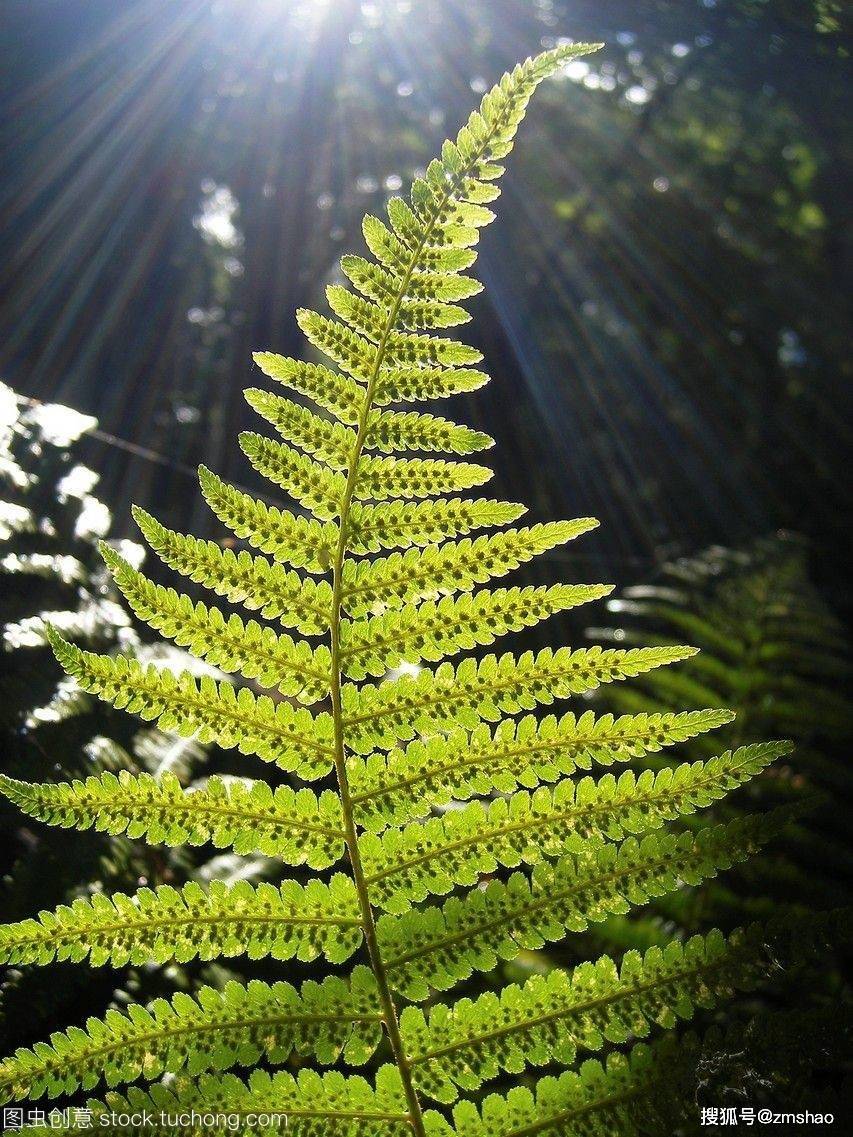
(388, 579)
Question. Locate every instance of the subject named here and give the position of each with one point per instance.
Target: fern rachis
(393, 537)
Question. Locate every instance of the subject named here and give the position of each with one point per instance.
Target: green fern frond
(423, 384)
(382, 478)
(551, 1017)
(292, 738)
(393, 252)
(403, 586)
(599, 1100)
(295, 825)
(400, 578)
(163, 924)
(256, 652)
(393, 431)
(408, 865)
(212, 1030)
(255, 582)
(377, 716)
(380, 284)
(433, 630)
(420, 314)
(403, 525)
(354, 354)
(317, 488)
(400, 347)
(329, 442)
(439, 947)
(301, 542)
(770, 645)
(406, 785)
(314, 1105)
(336, 393)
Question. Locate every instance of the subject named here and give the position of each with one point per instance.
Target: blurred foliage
(755, 1062)
(50, 569)
(773, 650)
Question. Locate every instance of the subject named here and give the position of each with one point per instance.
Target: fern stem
(389, 1009)
(392, 1024)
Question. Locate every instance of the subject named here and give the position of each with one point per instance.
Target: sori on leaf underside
(431, 783)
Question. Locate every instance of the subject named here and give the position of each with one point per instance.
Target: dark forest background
(666, 302)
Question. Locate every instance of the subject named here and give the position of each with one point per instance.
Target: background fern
(770, 646)
(596, 847)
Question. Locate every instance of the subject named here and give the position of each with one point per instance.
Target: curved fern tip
(146, 521)
(206, 477)
(111, 557)
(56, 640)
